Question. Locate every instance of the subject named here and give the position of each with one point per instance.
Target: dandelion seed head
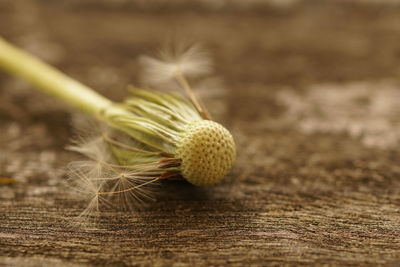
(156, 136)
(207, 151)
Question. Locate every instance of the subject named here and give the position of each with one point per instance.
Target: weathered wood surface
(306, 189)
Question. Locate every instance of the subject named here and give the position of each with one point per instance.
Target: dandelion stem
(51, 81)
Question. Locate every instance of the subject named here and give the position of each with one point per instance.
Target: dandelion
(150, 136)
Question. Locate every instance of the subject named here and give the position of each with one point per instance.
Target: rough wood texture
(312, 92)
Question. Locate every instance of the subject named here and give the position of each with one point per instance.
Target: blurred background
(310, 90)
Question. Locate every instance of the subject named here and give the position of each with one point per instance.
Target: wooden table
(310, 96)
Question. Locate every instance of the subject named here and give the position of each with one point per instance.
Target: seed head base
(207, 152)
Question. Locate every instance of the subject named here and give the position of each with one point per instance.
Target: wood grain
(293, 198)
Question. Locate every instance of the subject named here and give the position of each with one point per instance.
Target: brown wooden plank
(322, 196)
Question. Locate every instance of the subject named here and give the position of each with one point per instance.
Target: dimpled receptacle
(207, 152)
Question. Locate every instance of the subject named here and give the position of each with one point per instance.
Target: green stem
(53, 82)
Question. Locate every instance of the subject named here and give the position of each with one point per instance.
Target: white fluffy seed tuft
(191, 62)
